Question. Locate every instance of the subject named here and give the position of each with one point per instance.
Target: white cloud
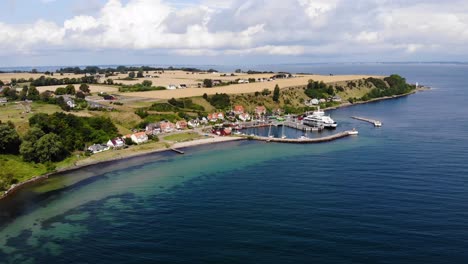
(274, 27)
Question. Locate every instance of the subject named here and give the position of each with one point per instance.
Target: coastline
(187, 144)
(348, 104)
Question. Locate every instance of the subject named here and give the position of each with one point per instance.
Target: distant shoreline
(205, 141)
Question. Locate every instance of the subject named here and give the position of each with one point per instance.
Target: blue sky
(86, 32)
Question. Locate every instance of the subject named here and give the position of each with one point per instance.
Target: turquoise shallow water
(391, 195)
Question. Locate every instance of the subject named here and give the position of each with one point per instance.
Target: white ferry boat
(318, 119)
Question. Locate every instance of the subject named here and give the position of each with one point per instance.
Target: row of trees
(125, 69)
(46, 81)
(52, 137)
(318, 90)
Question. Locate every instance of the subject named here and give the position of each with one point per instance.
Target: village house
(239, 109)
(96, 148)
(244, 117)
(139, 137)
(336, 98)
(181, 125)
(153, 129)
(314, 101)
(167, 126)
(115, 143)
(260, 111)
(3, 100)
(182, 86)
(193, 123)
(243, 81)
(215, 117)
(171, 87)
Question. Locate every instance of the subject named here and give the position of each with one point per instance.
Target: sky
(230, 32)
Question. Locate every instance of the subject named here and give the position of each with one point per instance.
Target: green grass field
(19, 170)
(183, 137)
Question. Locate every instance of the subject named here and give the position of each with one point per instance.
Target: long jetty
(306, 140)
(376, 123)
(177, 151)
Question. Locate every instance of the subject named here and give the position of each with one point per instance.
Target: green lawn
(19, 171)
(183, 137)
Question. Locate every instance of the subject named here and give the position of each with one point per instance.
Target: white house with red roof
(167, 126)
(115, 143)
(139, 137)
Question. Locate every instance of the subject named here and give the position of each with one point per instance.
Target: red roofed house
(139, 137)
(260, 110)
(167, 126)
(239, 109)
(115, 143)
(182, 124)
(215, 117)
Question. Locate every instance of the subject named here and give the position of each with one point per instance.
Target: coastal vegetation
(50, 139)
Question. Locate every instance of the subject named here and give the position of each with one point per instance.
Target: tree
(84, 88)
(49, 148)
(70, 89)
(140, 74)
(24, 93)
(131, 75)
(147, 83)
(205, 96)
(276, 93)
(110, 81)
(208, 83)
(10, 93)
(1, 83)
(9, 139)
(33, 134)
(266, 92)
(60, 91)
(238, 71)
(33, 93)
(80, 95)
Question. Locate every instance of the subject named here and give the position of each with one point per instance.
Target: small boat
(269, 132)
(282, 133)
(303, 137)
(377, 124)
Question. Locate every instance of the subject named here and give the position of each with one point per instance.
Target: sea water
(395, 194)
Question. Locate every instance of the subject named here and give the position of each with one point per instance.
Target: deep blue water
(396, 194)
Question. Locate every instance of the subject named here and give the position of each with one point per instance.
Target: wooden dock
(376, 123)
(177, 151)
(307, 140)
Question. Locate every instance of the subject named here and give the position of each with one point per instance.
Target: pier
(376, 123)
(307, 140)
(291, 124)
(300, 126)
(177, 151)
